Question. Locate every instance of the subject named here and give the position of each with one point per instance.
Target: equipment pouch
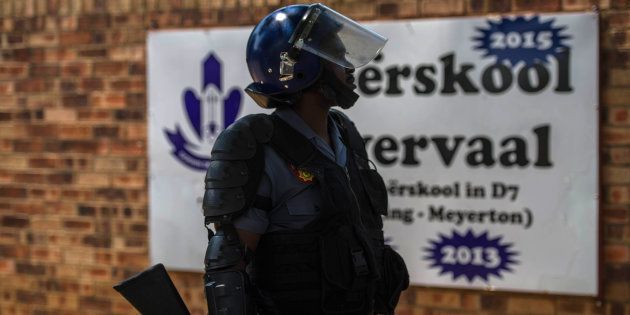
(345, 272)
(396, 277)
(375, 189)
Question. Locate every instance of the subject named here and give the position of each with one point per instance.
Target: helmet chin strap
(333, 89)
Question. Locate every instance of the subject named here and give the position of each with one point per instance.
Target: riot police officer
(293, 195)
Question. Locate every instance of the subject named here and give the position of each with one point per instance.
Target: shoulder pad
(236, 165)
(238, 142)
(226, 174)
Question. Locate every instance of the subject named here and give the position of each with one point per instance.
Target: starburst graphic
(521, 40)
(471, 256)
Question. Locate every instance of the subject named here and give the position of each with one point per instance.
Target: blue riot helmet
(287, 50)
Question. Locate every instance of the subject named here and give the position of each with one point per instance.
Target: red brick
(620, 155)
(134, 131)
(94, 21)
(24, 54)
(619, 116)
(129, 21)
(132, 259)
(128, 115)
(12, 192)
(95, 303)
(106, 132)
(75, 38)
(616, 96)
(442, 7)
(616, 253)
(60, 115)
(60, 178)
(78, 225)
(75, 132)
(59, 54)
(75, 69)
(126, 181)
(616, 19)
(12, 70)
(74, 101)
(620, 4)
(536, 5)
(93, 180)
(619, 77)
(618, 194)
(33, 86)
(7, 88)
(110, 165)
(616, 214)
(91, 84)
(128, 148)
(28, 178)
(576, 5)
(408, 9)
(44, 70)
(616, 175)
(522, 305)
(387, 9)
(127, 53)
(438, 298)
(41, 130)
(92, 53)
(68, 86)
(615, 136)
(43, 40)
(615, 58)
(27, 297)
(30, 269)
(90, 115)
(616, 292)
(7, 267)
(14, 39)
(14, 221)
(494, 303)
(97, 241)
(73, 146)
(137, 68)
(109, 68)
(108, 100)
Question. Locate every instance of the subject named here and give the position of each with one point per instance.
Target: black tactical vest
(330, 266)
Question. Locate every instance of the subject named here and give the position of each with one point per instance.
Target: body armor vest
(331, 265)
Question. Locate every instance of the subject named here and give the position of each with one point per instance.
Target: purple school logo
(208, 111)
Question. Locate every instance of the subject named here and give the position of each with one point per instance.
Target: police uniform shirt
(295, 202)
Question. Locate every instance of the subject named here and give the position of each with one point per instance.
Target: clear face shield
(334, 37)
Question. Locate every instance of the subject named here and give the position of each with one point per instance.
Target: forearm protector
(236, 166)
(227, 285)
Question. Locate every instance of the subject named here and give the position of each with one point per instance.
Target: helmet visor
(332, 36)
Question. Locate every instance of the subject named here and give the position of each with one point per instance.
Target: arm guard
(236, 166)
(226, 283)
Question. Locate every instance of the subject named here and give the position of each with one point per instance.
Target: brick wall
(73, 145)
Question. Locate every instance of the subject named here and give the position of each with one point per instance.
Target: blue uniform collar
(295, 121)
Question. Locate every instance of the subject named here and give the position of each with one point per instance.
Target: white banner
(485, 131)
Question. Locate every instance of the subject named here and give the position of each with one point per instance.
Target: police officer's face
(344, 75)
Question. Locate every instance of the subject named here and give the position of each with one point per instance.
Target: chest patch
(302, 175)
